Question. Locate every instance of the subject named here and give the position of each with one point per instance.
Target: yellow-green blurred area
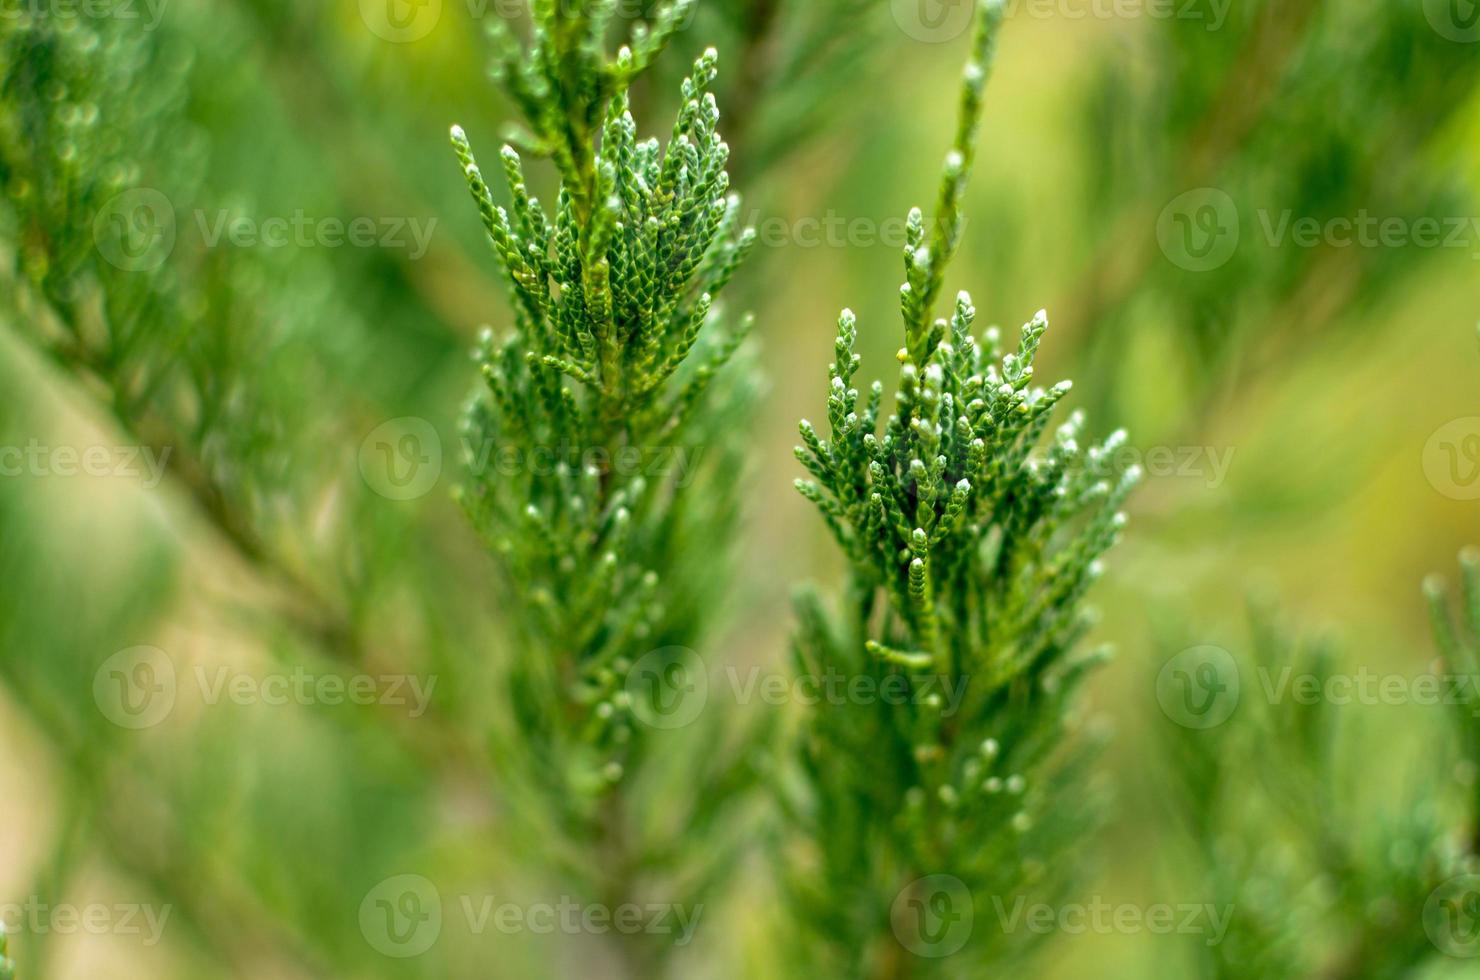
(1255, 227)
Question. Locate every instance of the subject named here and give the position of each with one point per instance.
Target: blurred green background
(1304, 402)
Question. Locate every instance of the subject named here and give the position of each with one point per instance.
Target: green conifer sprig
(613, 364)
(971, 545)
(612, 393)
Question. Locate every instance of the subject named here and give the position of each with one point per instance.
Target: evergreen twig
(970, 550)
(614, 399)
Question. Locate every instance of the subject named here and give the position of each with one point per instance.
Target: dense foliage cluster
(971, 544)
(602, 444)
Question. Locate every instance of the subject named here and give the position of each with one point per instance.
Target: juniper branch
(971, 545)
(617, 362)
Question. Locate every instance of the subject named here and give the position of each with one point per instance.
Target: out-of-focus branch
(300, 603)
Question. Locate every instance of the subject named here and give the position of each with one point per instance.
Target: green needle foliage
(610, 399)
(606, 471)
(1260, 797)
(204, 357)
(98, 158)
(971, 542)
(1305, 895)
